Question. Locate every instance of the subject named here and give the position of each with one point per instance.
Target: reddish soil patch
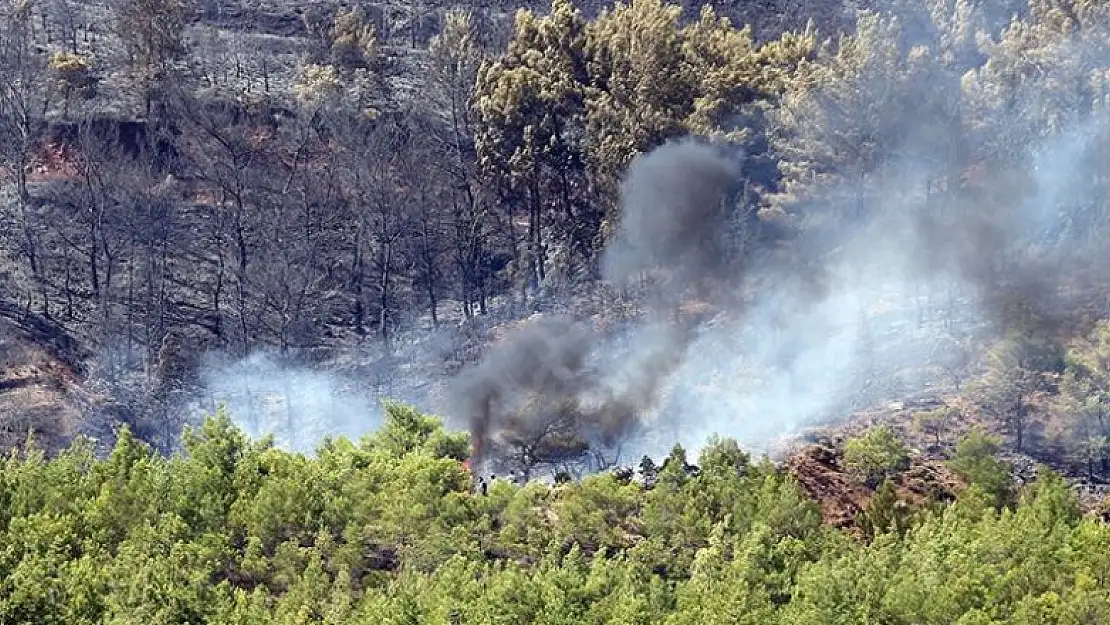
(820, 473)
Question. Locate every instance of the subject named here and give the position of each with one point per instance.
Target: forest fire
(551, 392)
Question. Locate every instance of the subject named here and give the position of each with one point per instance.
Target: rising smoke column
(541, 362)
(672, 217)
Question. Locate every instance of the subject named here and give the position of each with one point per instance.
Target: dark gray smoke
(524, 381)
(673, 215)
(543, 391)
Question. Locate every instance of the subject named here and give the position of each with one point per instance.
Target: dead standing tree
(25, 97)
(380, 199)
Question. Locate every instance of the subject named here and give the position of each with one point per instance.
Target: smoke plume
(539, 387)
(672, 215)
(542, 363)
(901, 256)
(902, 279)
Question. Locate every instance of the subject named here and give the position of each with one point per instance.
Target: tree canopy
(390, 529)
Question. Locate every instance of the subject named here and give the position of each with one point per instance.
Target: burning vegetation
(541, 397)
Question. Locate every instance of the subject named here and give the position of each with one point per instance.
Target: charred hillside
(581, 233)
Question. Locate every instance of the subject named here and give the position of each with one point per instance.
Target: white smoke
(894, 285)
(299, 405)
